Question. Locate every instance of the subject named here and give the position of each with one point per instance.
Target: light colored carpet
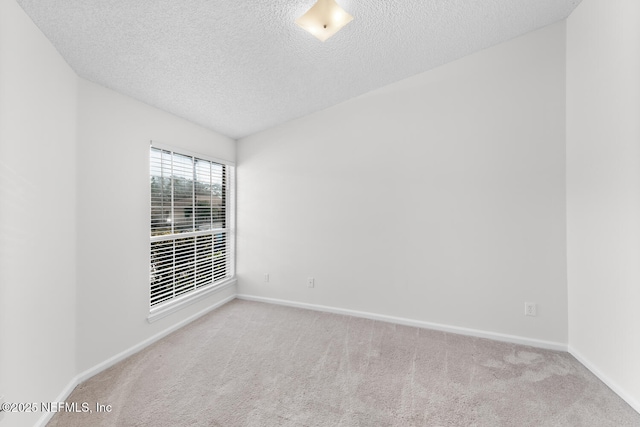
(255, 364)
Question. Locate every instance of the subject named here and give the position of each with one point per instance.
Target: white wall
(603, 190)
(37, 215)
(440, 198)
(113, 218)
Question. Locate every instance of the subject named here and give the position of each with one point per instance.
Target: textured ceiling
(239, 67)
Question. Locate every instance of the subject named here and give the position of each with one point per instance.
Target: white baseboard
(136, 348)
(46, 417)
(550, 345)
(605, 379)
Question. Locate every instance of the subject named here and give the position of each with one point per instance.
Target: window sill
(164, 310)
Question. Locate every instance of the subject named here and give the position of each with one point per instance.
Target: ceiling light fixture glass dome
(324, 19)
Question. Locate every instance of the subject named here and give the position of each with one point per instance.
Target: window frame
(164, 308)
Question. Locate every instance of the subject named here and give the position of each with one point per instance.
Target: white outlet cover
(530, 309)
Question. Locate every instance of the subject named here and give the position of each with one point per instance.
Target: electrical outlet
(530, 309)
(266, 277)
(310, 282)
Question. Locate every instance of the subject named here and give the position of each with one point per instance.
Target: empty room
(320, 213)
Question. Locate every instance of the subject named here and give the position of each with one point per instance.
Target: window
(192, 218)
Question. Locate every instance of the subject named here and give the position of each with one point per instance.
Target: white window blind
(191, 224)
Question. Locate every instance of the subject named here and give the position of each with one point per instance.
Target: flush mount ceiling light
(324, 19)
